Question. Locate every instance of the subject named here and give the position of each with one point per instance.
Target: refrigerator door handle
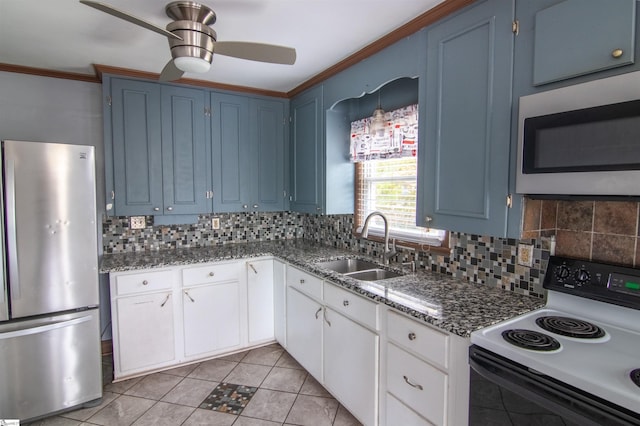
(12, 239)
(54, 325)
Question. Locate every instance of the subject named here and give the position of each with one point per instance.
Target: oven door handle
(584, 409)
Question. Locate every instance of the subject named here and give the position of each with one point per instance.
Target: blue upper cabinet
(231, 171)
(185, 188)
(266, 133)
(465, 107)
(247, 153)
(306, 152)
(576, 37)
(155, 147)
(136, 145)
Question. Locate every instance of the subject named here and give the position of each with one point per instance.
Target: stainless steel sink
(359, 269)
(345, 266)
(373, 275)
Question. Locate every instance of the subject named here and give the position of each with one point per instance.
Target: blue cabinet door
(465, 121)
(137, 147)
(266, 133)
(576, 37)
(230, 147)
(184, 151)
(306, 152)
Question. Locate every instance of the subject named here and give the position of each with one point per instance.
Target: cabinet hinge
(109, 100)
(284, 194)
(515, 27)
(509, 201)
(207, 112)
(209, 194)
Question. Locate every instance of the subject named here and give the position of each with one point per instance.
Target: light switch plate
(137, 222)
(215, 223)
(525, 255)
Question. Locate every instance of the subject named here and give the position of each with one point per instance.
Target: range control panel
(608, 283)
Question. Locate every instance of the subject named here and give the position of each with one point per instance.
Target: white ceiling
(65, 35)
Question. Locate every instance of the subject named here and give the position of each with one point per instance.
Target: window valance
(399, 139)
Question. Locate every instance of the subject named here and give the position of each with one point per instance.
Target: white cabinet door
(351, 365)
(211, 318)
(144, 335)
(304, 331)
(260, 300)
(279, 302)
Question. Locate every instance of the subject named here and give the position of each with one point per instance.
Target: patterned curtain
(400, 138)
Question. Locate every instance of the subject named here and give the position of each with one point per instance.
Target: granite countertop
(453, 305)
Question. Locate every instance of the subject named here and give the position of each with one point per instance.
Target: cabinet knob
(169, 208)
(244, 206)
(428, 219)
(617, 53)
(345, 303)
(211, 274)
(145, 282)
(301, 281)
(255, 206)
(156, 209)
(412, 336)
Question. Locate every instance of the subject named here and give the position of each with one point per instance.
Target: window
(390, 186)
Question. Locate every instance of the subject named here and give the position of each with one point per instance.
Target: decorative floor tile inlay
(229, 398)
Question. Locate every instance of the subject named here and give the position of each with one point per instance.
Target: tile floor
(282, 393)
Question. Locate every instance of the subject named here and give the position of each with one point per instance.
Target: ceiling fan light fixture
(191, 64)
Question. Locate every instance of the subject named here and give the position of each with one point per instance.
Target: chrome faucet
(388, 251)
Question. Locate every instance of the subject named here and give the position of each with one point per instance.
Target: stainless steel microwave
(581, 140)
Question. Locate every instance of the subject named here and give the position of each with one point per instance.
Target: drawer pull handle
(253, 268)
(211, 274)
(145, 282)
(165, 300)
(415, 385)
(345, 303)
(412, 336)
(318, 312)
(301, 281)
(189, 296)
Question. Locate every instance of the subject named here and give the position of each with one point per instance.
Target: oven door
(503, 392)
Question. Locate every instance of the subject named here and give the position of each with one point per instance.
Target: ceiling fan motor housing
(197, 40)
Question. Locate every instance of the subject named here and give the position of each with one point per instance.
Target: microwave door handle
(12, 237)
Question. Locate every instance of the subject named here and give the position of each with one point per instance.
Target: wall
(605, 231)
(48, 109)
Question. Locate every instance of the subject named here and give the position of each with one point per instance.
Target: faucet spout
(388, 251)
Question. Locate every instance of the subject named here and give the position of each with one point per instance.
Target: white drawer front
(433, 345)
(143, 281)
(352, 305)
(400, 414)
(419, 385)
(214, 272)
(304, 282)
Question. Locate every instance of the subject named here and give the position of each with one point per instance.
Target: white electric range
(579, 356)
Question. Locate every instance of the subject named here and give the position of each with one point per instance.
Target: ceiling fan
(193, 42)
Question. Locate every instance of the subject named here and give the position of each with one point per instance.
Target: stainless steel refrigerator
(49, 323)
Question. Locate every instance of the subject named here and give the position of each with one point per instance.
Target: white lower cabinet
(351, 365)
(279, 303)
(260, 304)
(304, 331)
(211, 318)
(145, 337)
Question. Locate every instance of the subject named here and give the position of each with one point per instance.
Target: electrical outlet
(215, 223)
(137, 222)
(525, 255)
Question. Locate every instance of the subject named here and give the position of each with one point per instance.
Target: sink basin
(373, 275)
(346, 266)
(362, 270)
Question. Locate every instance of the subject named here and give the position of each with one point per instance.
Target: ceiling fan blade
(170, 72)
(130, 18)
(256, 51)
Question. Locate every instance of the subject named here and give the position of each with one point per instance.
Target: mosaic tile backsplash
(478, 259)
